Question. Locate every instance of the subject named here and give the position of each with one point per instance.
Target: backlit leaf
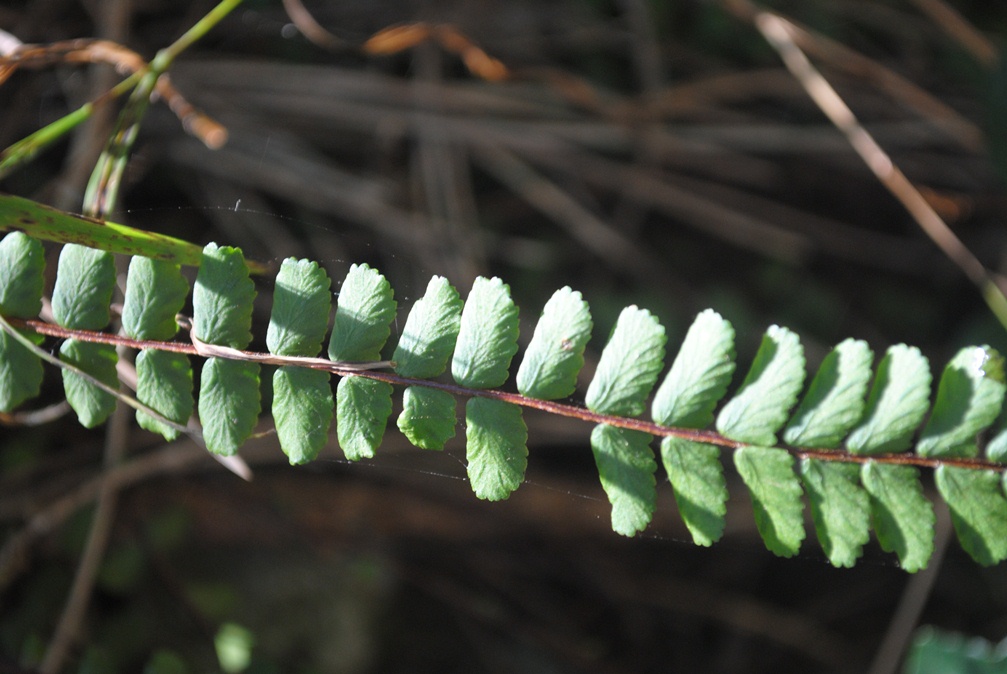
(155, 293)
(92, 405)
(302, 410)
(898, 401)
(761, 405)
(487, 337)
(840, 508)
(697, 477)
(835, 400)
(626, 466)
(629, 365)
(902, 517)
(431, 329)
(699, 377)
(301, 303)
(85, 279)
(969, 398)
(22, 261)
(428, 417)
(496, 447)
(363, 407)
(365, 309)
(164, 383)
(556, 352)
(978, 511)
(229, 403)
(776, 496)
(222, 298)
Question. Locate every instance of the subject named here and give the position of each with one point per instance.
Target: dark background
(650, 153)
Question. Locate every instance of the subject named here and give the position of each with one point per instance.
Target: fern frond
(854, 458)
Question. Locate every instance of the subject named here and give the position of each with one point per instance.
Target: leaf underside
(478, 339)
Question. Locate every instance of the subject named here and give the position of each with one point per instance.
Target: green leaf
(496, 447)
(969, 398)
(428, 417)
(840, 508)
(302, 410)
(776, 497)
(697, 477)
(760, 407)
(20, 371)
(430, 332)
(155, 293)
(902, 517)
(699, 377)
(92, 405)
(164, 383)
(364, 312)
(229, 403)
(629, 365)
(978, 511)
(301, 304)
(898, 401)
(85, 279)
(50, 224)
(626, 466)
(222, 298)
(362, 410)
(22, 264)
(835, 400)
(487, 337)
(556, 352)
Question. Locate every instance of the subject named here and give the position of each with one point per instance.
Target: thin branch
(370, 371)
(778, 31)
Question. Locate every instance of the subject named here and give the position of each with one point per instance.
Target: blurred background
(649, 152)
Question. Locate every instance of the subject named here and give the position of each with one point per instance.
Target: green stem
(24, 150)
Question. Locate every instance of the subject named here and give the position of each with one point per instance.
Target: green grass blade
(92, 405)
(302, 411)
(155, 293)
(428, 417)
(897, 403)
(626, 466)
(978, 511)
(761, 405)
(496, 447)
(835, 400)
(50, 224)
(903, 519)
(555, 354)
(365, 310)
(229, 403)
(697, 478)
(840, 509)
(700, 375)
(969, 399)
(164, 383)
(301, 303)
(629, 365)
(363, 407)
(776, 497)
(430, 332)
(487, 336)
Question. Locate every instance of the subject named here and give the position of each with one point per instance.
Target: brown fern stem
(548, 406)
